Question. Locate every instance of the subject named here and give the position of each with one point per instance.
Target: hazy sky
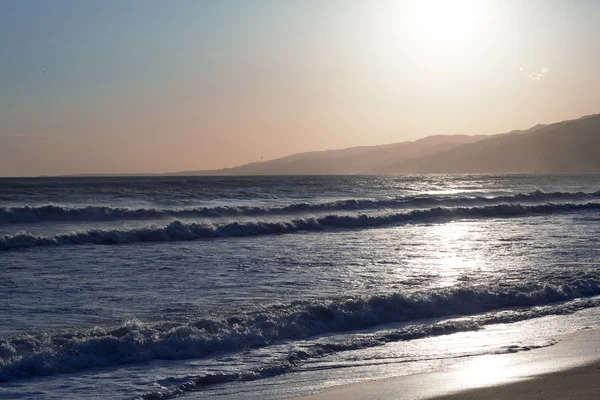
(108, 86)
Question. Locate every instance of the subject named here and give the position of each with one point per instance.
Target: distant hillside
(353, 160)
(564, 147)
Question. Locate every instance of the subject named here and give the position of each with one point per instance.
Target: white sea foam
(49, 353)
(50, 212)
(180, 231)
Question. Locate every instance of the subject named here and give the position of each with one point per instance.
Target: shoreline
(569, 369)
(579, 383)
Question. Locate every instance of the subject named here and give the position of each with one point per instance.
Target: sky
(154, 86)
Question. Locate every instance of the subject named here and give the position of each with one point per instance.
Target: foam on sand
(568, 370)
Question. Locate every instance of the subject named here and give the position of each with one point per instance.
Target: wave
(179, 231)
(55, 213)
(48, 353)
(294, 359)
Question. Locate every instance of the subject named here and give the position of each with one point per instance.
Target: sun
(435, 29)
(440, 23)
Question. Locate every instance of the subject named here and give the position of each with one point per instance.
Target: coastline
(580, 383)
(570, 369)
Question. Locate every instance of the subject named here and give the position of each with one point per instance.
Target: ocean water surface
(275, 287)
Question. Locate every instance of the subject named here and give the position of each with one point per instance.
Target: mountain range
(565, 147)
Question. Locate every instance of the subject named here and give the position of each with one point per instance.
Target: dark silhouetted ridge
(564, 147)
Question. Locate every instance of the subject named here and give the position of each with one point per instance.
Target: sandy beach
(580, 383)
(567, 370)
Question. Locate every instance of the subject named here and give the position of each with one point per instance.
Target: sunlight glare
(438, 31)
(442, 23)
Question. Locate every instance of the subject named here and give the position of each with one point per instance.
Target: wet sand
(567, 370)
(580, 383)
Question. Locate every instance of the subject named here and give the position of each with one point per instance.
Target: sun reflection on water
(457, 251)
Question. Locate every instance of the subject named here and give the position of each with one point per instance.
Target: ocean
(277, 287)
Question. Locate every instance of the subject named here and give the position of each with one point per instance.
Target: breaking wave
(179, 231)
(30, 214)
(295, 359)
(47, 353)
